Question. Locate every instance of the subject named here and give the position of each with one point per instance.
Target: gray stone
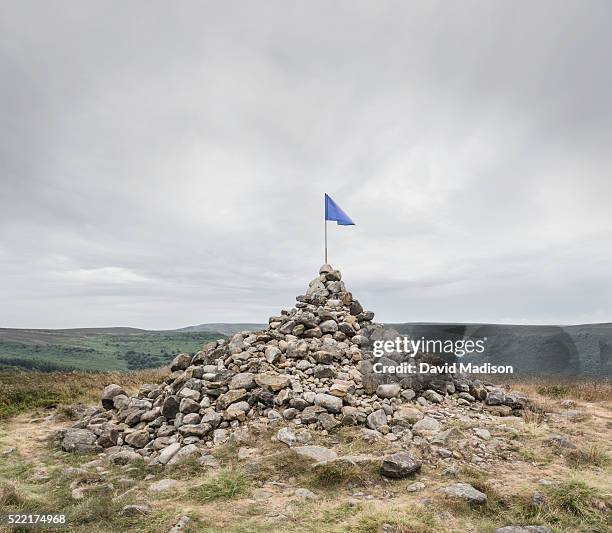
(180, 362)
(136, 510)
(329, 326)
(183, 454)
(272, 382)
(79, 441)
(495, 397)
(109, 393)
(376, 419)
(138, 439)
(170, 407)
(318, 454)
(433, 397)
(400, 465)
(181, 525)
(305, 494)
(426, 426)
(188, 405)
(244, 380)
(168, 452)
(328, 402)
(123, 457)
(464, 491)
(388, 390)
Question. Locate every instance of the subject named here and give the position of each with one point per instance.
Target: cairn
(310, 368)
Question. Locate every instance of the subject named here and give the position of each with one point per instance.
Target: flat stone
(426, 426)
(464, 491)
(320, 454)
(400, 465)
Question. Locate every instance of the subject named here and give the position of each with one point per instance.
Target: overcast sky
(163, 163)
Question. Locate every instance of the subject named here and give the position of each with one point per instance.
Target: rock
(328, 421)
(272, 382)
(426, 426)
(123, 457)
(237, 411)
(417, 486)
(328, 402)
(318, 454)
(109, 393)
(183, 454)
(376, 419)
(495, 397)
(483, 433)
(168, 452)
(464, 491)
(136, 510)
(170, 407)
(244, 380)
(329, 326)
(195, 430)
(399, 465)
(286, 436)
(79, 441)
(181, 525)
(273, 353)
(407, 415)
(180, 362)
(388, 390)
(163, 485)
(188, 406)
(356, 308)
(432, 396)
(561, 442)
(138, 439)
(305, 494)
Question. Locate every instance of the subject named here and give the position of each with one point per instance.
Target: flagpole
(325, 241)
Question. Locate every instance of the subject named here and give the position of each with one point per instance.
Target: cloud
(164, 165)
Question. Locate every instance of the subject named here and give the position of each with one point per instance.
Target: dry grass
(560, 388)
(20, 391)
(593, 455)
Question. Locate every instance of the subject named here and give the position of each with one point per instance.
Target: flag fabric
(335, 213)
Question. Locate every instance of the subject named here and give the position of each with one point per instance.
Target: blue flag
(334, 212)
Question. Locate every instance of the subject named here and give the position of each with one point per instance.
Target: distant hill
(223, 328)
(96, 349)
(584, 349)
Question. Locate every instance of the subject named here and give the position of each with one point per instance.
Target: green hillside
(102, 349)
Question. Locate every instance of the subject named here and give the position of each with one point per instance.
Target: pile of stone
(310, 368)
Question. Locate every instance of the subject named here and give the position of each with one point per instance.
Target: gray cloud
(164, 165)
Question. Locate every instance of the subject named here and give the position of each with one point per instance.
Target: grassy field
(96, 349)
(257, 494)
